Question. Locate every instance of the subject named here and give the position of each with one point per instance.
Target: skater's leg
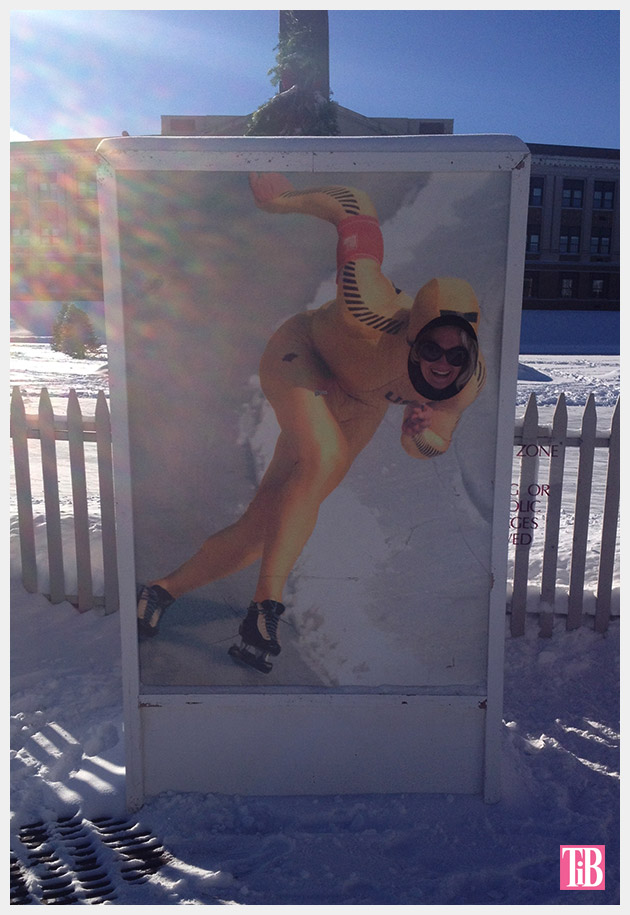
(323, 430)
(237, 546)
(315, 474)
(225, 552)
(288, 363)
(309, 461)
(312, 443)
(321, 452)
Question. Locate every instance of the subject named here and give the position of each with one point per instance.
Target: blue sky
(545, 76)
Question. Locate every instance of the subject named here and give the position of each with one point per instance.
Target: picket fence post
(529, 464)
(582, 513)
(26, 527)
(106, 493)
(552, 521)
(79, 503)
(609, 527)
(57, 586)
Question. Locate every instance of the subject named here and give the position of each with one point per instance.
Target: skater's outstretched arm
(427, 432)
(274, 193)
(368, 304)
(428, 428)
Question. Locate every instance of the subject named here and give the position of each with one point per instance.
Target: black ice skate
(258, 633)
(153, 600)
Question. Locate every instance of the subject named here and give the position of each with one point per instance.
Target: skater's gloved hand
(416, 419)
(266, 187)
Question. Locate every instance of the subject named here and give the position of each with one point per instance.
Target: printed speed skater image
(330, 375)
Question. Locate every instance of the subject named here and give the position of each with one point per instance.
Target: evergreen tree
(304, 108)
(73, 333)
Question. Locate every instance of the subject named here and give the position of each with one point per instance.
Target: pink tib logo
(582, 867)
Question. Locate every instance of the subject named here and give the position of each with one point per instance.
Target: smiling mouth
(440, 377)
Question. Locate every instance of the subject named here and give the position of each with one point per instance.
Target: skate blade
(243, 655)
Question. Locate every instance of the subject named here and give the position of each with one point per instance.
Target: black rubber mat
(73, 860)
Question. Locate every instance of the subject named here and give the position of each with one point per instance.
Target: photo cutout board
(313, 347)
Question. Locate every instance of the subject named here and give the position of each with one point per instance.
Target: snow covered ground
(560, 759)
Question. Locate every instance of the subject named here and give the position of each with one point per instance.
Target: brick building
(572, 251)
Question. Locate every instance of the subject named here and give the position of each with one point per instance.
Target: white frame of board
(293, 740)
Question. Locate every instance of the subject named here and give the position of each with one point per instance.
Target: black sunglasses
(431, 351)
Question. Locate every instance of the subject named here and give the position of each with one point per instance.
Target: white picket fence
(534, 445)
(79, 433)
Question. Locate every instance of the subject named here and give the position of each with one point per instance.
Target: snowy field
(560, 755)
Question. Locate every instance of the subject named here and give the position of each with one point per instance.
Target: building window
(49, 189)
(600, 241)
(87, 188)
(50, 235)
(20, 235)
(568, 285)
(599, 286)
(533, 240)
(572, 193)
(536, 186)
(530, 285)
(18, 182)
(603, 195)
(570, 241)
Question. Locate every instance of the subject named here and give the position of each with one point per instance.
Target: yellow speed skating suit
(354, 350)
